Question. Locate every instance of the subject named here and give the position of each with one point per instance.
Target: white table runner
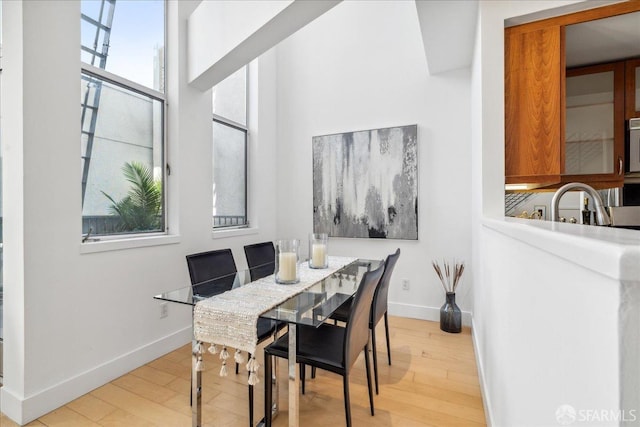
(230, 319)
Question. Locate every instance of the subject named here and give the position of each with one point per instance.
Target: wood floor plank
(179, 355)
(144, 388)
(122, 418)
(171, 367)
(66, 417)
(448, 383)
(447, 393)
(181, 386)
(139, 406)
(432, 382)
(91, 407)
(179, 404)
(153, 375)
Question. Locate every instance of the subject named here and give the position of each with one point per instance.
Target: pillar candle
(318, 254)
(287, 266)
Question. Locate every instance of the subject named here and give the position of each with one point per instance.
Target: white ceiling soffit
(224, 35)
(603, 40)
(448, 33)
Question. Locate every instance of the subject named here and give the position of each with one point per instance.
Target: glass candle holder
(318, 250)
(287, 255)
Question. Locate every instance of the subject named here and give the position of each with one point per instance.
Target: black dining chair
(261, 259)
(378, 310)
(330, 347)
(213, 273)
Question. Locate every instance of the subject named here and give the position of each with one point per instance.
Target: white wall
(362, 66)
(75, 320)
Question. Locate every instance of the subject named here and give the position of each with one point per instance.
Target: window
(122, 115)
(230, 151)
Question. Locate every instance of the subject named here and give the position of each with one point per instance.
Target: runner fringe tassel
(252, 367)
(224, 355)
(198, 353)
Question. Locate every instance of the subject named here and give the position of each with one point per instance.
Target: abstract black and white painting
(365, 184)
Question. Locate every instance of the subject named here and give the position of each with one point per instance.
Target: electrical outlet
(164, 310)
(405, 284)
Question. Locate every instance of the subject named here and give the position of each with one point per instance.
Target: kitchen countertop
(613, 252)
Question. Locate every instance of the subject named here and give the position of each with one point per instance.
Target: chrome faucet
(602, 217)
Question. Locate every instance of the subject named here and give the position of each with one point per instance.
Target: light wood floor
(433, 382)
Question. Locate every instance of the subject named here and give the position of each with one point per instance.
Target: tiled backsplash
(570, 205)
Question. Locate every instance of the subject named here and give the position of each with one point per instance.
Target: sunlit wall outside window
(122, 116)
(230, 97)
(230, 151)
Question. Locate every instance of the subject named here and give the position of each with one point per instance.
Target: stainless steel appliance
(631, 194)
(634, 145)
(625, 216)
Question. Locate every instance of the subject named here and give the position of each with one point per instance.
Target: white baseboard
(483, 385)
(24, 410)
(422, 312)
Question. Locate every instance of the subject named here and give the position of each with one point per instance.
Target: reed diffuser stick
(450, 280)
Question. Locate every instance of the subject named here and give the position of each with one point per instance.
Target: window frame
(245, 129)
(126, 84)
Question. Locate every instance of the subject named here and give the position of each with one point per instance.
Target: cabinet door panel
(534, 69)
(632, 90)
(594, 123)
(589, 125)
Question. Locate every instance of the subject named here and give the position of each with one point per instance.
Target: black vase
(450, 315)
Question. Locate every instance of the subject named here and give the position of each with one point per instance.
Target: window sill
(128, 243)
(223, 234)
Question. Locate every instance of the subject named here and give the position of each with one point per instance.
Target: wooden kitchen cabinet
(537, 151)
(534, 72)
(632, 89)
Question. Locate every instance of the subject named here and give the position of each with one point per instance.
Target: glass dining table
(312, 306)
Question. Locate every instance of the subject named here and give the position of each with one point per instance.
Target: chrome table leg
(294, 381)
(276, 389)
(196, 388)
